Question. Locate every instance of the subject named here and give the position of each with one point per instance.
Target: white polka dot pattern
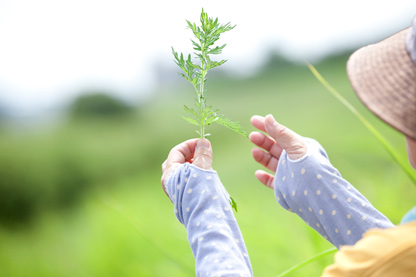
(336, 209)
(202, 206)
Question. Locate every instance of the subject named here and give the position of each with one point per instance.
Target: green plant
(233, 204)
(383, 141)
(308, 261)
(207, 35)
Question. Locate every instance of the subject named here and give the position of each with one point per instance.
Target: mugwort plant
(196, 73)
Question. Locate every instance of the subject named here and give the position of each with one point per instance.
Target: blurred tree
(3, 115)
(98, 104)
(277, 62)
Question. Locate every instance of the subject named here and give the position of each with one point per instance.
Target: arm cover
(202, 205)
(313, 189)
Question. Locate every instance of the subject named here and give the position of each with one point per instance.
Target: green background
(83, 197)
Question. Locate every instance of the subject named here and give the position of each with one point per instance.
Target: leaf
(191, 120)
(233, 204)
(214, 64)
(217, 50)
(185, 77)
(194, 65)
(190, 25)
(227, 27)
(233, 125)
(200, 56)
(211, 120)
(190, 110)
(197, 46)
(175, 55)
(208, 110)
(189, 68)
(210, 116)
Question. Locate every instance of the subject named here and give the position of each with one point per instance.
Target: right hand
(280, 138)
(195, 151)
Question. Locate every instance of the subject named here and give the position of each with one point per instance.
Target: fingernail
(202, 143)
(270, 120)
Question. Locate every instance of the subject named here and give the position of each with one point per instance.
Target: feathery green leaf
(233, 125)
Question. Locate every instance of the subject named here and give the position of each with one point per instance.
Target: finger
(163, 166)
(162, 181)
(267, 143)
(203, 154)
(166, 173)
(265, 159)
(181, 153)
(265, 178)
(258, 122)
(286, 138)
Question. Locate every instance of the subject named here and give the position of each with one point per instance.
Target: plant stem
(202, 102)
(308, 261)
(201, 97)
(111, 203)
(387, 146)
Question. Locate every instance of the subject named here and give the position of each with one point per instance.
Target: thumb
(203, 154)
(286, 138)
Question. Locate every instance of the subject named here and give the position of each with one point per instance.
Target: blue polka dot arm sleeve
(202, 205)
(313, 189)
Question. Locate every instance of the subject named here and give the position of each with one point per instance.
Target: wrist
(297, 152)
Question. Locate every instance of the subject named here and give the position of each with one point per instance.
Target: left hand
(278, 138)
(195, 151)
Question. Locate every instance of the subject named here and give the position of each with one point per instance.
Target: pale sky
(51, 50)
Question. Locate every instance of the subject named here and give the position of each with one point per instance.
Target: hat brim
(383, 76)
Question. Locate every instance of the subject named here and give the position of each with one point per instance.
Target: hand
(280, 138)
(195, 151)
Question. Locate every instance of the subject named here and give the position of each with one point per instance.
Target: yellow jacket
(381, 252)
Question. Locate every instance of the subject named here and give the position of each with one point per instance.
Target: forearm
(202, 205)
(312, 188)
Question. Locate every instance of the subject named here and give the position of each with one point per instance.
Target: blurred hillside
(101, 139)
(82, 197)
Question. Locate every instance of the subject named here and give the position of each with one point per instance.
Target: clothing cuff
(307, 154)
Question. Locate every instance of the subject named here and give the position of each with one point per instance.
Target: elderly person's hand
(280, 138)
(195, 151)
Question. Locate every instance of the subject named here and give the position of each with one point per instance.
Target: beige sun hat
(384, 77)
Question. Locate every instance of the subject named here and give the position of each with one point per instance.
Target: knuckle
(297, 150)
(204, 152)
(282, 131)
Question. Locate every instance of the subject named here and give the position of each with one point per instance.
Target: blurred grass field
(123, 224)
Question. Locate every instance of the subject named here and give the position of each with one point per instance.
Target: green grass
(124, 225)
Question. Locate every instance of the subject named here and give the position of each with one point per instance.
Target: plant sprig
(196, 73)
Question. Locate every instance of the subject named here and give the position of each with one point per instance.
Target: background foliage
(83, 198)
